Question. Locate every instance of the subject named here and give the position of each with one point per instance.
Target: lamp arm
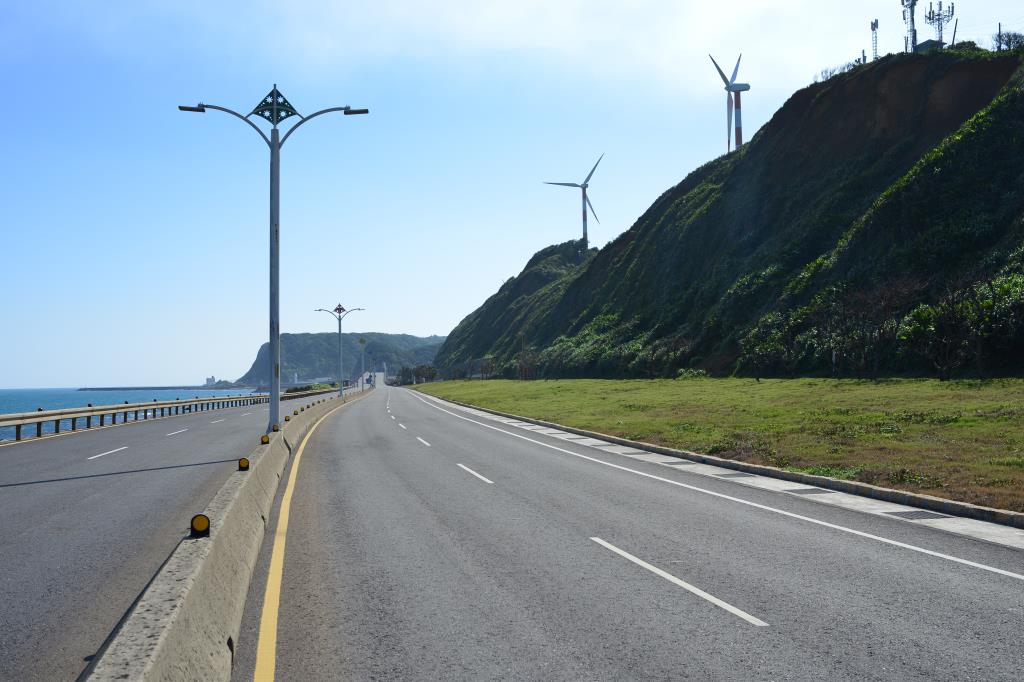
(238, 115)
(306, 118)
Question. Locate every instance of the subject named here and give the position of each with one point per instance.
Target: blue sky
(135, 243)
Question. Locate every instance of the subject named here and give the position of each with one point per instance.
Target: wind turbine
(732, 90)
(586, 201)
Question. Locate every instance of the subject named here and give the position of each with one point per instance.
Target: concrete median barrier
(185, 625)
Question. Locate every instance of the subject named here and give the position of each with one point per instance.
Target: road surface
(427, 543)
(88, 519)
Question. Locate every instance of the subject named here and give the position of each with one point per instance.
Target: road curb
(1003, 517)
(185, 625)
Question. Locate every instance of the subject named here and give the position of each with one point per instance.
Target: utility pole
(274, 108)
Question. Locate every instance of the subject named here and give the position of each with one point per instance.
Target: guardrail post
(56, 426)
(17, 432)
(74, 423)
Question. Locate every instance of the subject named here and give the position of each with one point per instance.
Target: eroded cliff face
(917, 148)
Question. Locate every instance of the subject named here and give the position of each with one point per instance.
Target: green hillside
(874, 225)
(316, 355)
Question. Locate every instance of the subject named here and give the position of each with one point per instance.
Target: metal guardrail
(69, 417)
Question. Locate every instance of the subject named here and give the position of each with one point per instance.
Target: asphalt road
(89, 517)
(426, 543)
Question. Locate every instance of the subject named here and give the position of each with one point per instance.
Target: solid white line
(216, 421)
(108, 452)
(685, 585)
(245, 414)
(826, 524)
(423, 441)
(485, 480)
(401, 424)
(174, 433)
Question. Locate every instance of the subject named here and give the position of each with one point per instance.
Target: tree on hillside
(941, 333)
(1007, 40)
(425, 373)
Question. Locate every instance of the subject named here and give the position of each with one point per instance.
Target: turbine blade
(736, 70)
(592, 211)
(563, 184)
(593, 169)
(728, 129)
(720, 73)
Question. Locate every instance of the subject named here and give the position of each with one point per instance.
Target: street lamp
(362, 362)
(274, 108)
(340, 313)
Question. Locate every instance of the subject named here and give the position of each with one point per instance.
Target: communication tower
(939, 19)
(874, 40)
(910, 42)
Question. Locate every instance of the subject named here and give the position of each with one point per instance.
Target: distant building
(210, 381)
(929, 45)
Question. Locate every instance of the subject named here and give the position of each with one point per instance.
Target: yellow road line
(266, 647)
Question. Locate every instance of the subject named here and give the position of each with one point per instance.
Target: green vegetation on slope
(874, 226)
(958, 439)
(316, 355)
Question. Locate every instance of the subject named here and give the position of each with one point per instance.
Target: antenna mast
(939, 19)
(910, 42)
(874, 40)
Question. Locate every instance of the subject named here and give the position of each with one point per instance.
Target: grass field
(962, 440)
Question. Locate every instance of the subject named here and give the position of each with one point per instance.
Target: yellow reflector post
(200, 525)
(243, 464)
(287, 417)
(296, 412)
(276, 428)
(265, 440)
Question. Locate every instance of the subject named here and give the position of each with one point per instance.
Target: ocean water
(29, 399)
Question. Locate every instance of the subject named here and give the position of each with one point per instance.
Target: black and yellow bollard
(200, 526)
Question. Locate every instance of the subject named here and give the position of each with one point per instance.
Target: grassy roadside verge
(961, 440)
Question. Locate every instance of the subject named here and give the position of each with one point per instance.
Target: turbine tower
(910, 42)
(586, 201)
(732, 94)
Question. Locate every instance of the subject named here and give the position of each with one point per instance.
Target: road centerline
(423, 441)
(402, 425)
(683, 584)
(216, 421)
(109, 452)
(175, 433)
(482, 478)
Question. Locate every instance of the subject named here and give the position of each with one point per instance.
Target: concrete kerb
(1001, 516)
(185, 625)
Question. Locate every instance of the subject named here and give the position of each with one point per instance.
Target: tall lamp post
(274, 108)
(362, 363)
(340, 313)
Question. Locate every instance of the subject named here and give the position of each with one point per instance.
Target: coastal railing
(71, 418)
